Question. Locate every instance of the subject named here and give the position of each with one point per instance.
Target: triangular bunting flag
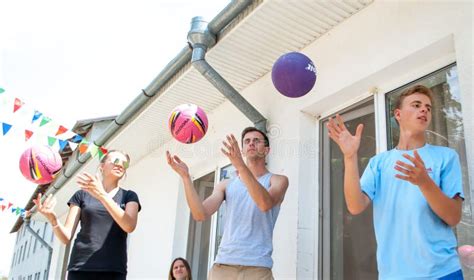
(76, 139)
(13, 210)
(73, 145)
(51, 141)
(17, 105)
(83, 146)
(36, 116)
(61, 130)
(68, 135)
(1, 199)
(6, 127)
(18, 210)
(28, 134)
(2, 90)
(3, 207)
(44, 120)
(93, 149)
(62, 144)
(102, 152)
(9, 205)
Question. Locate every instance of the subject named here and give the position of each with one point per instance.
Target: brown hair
(412, 90)
(251, 129)
(186, 264)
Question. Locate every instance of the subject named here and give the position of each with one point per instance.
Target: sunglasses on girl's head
(120, 162)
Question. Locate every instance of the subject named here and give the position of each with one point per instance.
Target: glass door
(348, 247)
(199, 233)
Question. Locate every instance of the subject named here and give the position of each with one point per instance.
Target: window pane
(446, 129)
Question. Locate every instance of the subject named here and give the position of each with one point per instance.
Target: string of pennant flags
(63, 138)
(49, 139)
(41, 120)
(8, 207)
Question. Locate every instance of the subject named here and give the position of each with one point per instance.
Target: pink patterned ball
(40, 164)
(188, 123)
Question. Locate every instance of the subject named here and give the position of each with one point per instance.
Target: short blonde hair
(412, 90)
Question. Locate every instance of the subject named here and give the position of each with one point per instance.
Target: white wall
(151, 244)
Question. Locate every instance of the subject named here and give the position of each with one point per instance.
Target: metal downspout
(229, 13)
(41, 240)
(201, 38)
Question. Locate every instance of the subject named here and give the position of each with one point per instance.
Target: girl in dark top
(107, 213)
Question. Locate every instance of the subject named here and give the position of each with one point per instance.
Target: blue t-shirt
(412, 241)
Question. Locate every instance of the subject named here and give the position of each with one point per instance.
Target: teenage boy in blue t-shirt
(416, 191)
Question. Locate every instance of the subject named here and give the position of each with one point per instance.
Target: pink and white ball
(188, 123)
(40, 164)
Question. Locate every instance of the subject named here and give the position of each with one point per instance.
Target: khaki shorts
(239, 272)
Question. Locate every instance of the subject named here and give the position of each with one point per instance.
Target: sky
(74, 61)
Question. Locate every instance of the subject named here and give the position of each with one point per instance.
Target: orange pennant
(28, 134)
(61, 130)
(17, 105)
(83, 148)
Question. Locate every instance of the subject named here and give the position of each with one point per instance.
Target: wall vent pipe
(201, 39)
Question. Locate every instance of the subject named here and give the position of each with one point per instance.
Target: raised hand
(47, 207)
(416, 173)
(348, 143)
(177, 164)
(232, 151)
(91, 184)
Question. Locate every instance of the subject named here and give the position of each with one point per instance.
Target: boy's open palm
(348, 143)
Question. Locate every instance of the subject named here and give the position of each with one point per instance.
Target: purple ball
(293, 74)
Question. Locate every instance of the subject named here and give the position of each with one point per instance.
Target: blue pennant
(36, 116)
(76, 139)
(62, 144)
(6, 127)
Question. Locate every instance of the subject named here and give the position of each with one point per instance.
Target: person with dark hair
(416, 192)
(180, 270)
(253, 202)
(107, 214)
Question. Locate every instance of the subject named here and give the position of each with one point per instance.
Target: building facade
(30, 257)
(365, 54)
